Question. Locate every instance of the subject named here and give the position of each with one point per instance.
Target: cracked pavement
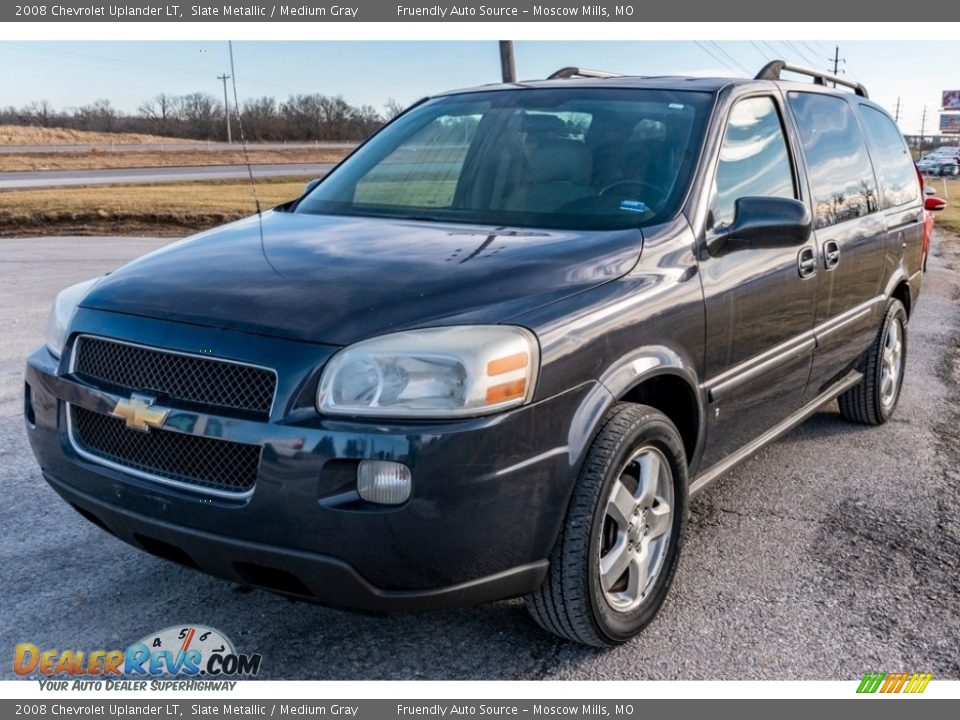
(833, 552)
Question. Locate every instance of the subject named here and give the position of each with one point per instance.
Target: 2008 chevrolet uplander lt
(495, 351)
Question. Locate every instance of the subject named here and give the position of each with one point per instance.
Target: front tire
(874, 399)
(614, 561)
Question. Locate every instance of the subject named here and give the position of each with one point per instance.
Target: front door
(759, 301)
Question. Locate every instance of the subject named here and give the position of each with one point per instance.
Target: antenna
(243, 139)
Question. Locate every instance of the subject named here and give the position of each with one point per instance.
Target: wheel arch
(663, 379)
(902, 293)
(899, 286)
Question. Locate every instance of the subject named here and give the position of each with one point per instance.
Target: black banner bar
(472, 11)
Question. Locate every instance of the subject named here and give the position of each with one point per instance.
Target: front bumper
(489, 494)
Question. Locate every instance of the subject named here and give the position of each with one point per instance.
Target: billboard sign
(950, 124)
(951, 100)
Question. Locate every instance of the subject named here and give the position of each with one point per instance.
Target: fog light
(383, 482)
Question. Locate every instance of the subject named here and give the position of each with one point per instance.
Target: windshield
(571, 158)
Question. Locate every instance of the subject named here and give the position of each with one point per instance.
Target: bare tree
(261, 120)
(161, 109)
(393, 108)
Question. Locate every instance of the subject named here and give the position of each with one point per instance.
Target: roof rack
(575, 72)
(772, 70)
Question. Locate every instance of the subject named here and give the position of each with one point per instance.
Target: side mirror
(763, 222)
(311, 185)
(929, 191)
(934, 204)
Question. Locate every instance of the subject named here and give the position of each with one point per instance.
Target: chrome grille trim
(265, 413)
(179, 484)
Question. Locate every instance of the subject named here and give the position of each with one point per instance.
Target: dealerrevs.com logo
(181, 651)
(887, 683)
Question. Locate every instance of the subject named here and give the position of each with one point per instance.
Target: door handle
(807, 262)
(831, 254)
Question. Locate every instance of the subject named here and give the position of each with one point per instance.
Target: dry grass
(949, 217)
(168, 209)
(29, 135)
(10, 162)
(179, 208)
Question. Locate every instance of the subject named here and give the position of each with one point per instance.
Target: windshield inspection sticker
(633, 206)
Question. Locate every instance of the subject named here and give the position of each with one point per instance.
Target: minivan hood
(341, 279)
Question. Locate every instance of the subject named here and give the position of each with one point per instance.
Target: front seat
(559, 172)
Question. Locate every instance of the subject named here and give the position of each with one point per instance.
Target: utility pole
(896, 115)
(836, 59)
(923, 127)
(508, 66)
(226, 105)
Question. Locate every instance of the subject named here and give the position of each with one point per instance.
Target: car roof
(711, 85)
(665, 82)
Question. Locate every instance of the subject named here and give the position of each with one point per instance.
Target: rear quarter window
(898, 176)
(841, 174)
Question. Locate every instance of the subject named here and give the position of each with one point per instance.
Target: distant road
(135, 176)
(169, 147)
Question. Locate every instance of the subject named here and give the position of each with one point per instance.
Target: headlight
(454, 371)
(58, 322)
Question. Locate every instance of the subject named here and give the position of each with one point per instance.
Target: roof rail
(575, 72)
(772, 70)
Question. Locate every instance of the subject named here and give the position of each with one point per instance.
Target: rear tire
(874, 399)
(615, 558)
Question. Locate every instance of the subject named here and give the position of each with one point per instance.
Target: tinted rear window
(894, 163)
(576, 158)
(841, 175)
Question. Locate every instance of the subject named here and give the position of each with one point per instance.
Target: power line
(763, 54)
(113, 62)
(800, 52)
(715, 57)
(728, 55)
(776, 53)
(813, 51)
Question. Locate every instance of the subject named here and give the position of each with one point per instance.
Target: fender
(622, 376)
(899, 276)
(643, 364)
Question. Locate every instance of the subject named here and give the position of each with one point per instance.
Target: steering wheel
(646, 188)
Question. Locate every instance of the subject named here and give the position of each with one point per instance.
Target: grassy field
(949, 217)
(181, 208)
(161, 209)
(10, 162)
(20, 135)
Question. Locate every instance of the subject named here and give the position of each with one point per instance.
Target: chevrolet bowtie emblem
(140, 413)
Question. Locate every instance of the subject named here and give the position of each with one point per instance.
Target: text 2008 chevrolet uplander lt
(494, 352)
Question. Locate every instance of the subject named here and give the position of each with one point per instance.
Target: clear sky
(76, 73)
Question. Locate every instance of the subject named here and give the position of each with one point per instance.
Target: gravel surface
(833, 552)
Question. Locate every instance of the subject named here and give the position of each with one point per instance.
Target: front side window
(577, 158)
(841, 175)
(894, 162)
(754, 160)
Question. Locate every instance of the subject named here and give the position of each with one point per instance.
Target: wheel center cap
(635, 530)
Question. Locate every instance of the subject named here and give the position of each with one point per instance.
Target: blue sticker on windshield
(633, 206)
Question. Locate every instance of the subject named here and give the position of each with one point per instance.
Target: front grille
(205, 382)
(204, 462)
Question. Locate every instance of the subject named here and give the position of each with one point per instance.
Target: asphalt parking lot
(834, 552)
